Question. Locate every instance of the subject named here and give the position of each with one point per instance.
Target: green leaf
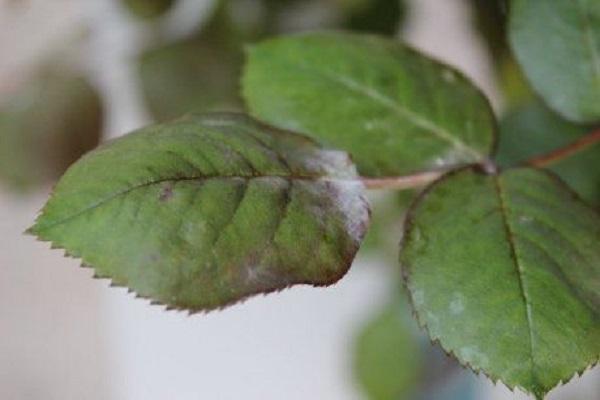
(532, 129)
(207, 210)
(47, 124)
(148, 9)
(393, 109)
(388, 361)
(558, 45)
(504, 271)
(376, 16)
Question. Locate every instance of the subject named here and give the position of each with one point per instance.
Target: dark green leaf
(393, 109)
(148, 9)
(191, 75)
(532, 129)
(375, 16)
(504, 271)
(389, 360)
(199, 73)
(490, 20)
(47, 124)
(208, 210)
(558, 45)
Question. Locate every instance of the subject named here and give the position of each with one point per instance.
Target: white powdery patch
(457, 305)
(452, 156)
(474, 356)
(334, 163)
(349, 191)
(352, 204)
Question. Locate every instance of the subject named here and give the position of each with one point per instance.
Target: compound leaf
(558, 45)
(393, 109)
(207, 210)
(504, 271)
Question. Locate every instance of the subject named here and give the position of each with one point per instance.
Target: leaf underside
(558, 45)
(504, 271)
(394, 110)
(207, 210)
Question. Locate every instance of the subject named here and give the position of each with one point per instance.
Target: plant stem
(402, 182)
(550, 158)
(424, 178)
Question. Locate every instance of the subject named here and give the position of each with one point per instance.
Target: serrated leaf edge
(408, 225)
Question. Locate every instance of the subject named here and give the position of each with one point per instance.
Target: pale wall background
(65, 336)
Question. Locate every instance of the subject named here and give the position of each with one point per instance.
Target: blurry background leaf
(148, 9)
(532, 129)
(395, 360)
(558, 45)
(47, 124)
(389, 359)
(375, 16)
(194, 74)
(490, 17)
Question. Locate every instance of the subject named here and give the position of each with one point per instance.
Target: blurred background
(76, 72)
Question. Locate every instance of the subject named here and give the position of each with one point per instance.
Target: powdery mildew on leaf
(207, 210)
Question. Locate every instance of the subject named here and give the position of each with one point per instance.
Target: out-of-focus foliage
(389, 359)
(148, 9)
(376, 16)
(557, 44)
(198, 73)
(47, 124)
(490, 17)
(393, 360)
(533, 129)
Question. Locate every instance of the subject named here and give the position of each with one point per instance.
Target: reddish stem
(556, 155)
(424, 178)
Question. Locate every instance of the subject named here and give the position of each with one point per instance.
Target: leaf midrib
(184, 179)
(416, 119)
(510, 237)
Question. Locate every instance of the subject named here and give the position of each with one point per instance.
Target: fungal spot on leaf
(166, 193)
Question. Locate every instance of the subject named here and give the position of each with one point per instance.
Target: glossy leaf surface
(208, 210)
(532, 129)
(558, 44)
(504, 271)
(393, 109)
